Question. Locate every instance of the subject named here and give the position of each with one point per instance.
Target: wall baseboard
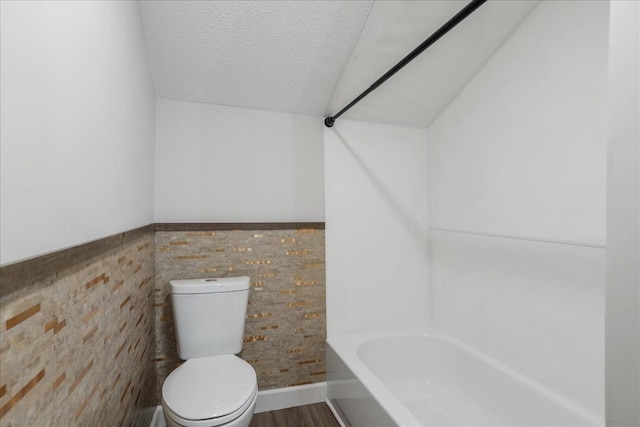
(272, 400)
(288, 397)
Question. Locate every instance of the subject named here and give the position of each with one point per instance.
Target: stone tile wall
(285, 328)
(79, 350)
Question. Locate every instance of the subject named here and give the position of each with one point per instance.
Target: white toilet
(213, 387)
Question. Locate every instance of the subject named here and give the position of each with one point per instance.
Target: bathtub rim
(347, 348)
(375, 388)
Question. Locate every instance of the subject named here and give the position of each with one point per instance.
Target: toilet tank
(209, 315)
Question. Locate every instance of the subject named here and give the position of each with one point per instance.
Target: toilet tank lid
(209, 285)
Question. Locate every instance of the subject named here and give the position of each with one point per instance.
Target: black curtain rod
(451, 23)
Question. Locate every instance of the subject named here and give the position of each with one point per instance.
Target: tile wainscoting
(285, 328)
(77, 344)
(86, 333)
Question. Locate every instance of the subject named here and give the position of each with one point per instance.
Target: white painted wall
(226, 164)
(77, 125)
(623, 218)
(520, 153)
(376, 219)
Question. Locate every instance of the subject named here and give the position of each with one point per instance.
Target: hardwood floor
(316, 415)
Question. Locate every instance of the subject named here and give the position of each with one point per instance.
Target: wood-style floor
(316, 415)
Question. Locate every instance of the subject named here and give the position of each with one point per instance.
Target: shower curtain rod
(451, 23)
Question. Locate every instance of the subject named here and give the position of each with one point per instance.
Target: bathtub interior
(432, 379)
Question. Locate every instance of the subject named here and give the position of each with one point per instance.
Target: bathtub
(405, 378)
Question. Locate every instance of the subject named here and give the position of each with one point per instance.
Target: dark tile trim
(227, 226)
(34, 272)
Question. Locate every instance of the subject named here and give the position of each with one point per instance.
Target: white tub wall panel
(623, 219)
(521, 152)
(522, 149)
(537, 307)
(225, 164)
(376, 218)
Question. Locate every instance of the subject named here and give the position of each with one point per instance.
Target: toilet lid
(209, 387)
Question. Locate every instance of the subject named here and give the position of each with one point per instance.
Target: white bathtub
(431, 379)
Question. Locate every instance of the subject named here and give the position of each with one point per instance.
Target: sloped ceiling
(313, 57)
(421, 90)
(274, 55)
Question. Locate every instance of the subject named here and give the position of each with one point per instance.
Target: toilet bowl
(210, 391)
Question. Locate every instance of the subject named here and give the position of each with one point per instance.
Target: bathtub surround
(480, 281)
(285, 326)
(77, 344)
(517, 202)
(531, 162)
(376, 209)
(515, 177)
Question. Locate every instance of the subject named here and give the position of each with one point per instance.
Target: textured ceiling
(275, 55)
(313, 57)
(422, 89)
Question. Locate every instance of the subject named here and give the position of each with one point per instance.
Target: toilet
(213, 387)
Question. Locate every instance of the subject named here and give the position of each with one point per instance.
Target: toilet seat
(209, 391)
(211, 422)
